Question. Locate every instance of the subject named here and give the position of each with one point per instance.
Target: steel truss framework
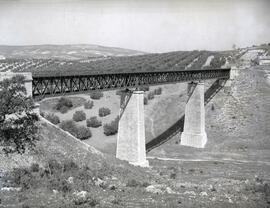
(57, 85)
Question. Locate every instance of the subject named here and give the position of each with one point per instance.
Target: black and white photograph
(135, 103)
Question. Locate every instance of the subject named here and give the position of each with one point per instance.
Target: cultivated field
(139, 63)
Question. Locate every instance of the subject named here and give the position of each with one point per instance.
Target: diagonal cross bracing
(49, 85)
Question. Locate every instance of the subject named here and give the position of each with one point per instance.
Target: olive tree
(18, 127)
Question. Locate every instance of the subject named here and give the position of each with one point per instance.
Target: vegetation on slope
(180, 60)
(65, 172)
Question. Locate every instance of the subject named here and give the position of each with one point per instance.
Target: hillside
(63, 52)
(236, 122)
(178, 60)
(56, 147)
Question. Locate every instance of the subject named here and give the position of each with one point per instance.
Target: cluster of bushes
(79, 116)
(52, 118)
(102, 112)
(111, 128)
(64, 104)
(79, 132)
(96, 95)
(88, 104)
(57, 176)
(93, 122)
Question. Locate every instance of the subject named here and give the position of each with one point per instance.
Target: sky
(144, 25)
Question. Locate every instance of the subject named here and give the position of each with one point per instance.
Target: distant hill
(69, 52)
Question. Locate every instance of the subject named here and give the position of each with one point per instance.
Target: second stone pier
(194, 134)
(131, 131)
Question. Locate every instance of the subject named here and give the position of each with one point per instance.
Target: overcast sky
(146, 25)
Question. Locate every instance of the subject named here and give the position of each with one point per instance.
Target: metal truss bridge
(45, 85)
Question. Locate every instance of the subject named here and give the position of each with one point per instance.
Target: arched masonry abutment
(131, 129)
(194, 134)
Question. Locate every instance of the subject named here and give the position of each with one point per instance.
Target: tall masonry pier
(131, 131)
(194, 134)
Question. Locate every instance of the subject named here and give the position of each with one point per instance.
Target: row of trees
(148, 62)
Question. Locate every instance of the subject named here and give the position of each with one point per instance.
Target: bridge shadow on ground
(178, 126)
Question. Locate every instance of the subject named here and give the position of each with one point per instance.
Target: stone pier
(233, 75)
(194, 134)
(131, 132)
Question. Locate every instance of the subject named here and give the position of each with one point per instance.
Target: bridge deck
(57, 84)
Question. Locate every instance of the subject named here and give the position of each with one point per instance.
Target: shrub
(59, 183)
(23, 177)
(104, 112)
(111, 128)
(88, 105)
(145, 101)
(41, 113)
(118, 92)
(144, 88)
(83, 133)
(69, 126)
(96, 95)
(34, 167)
(93, 122)
(133, 183)
(63, 109)
(117, 201)
(70, 165)
(158, 91)
(88, 201)
(151, 96)
(63, 102)
(79, 132)
(52, 118)
(79, 116)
